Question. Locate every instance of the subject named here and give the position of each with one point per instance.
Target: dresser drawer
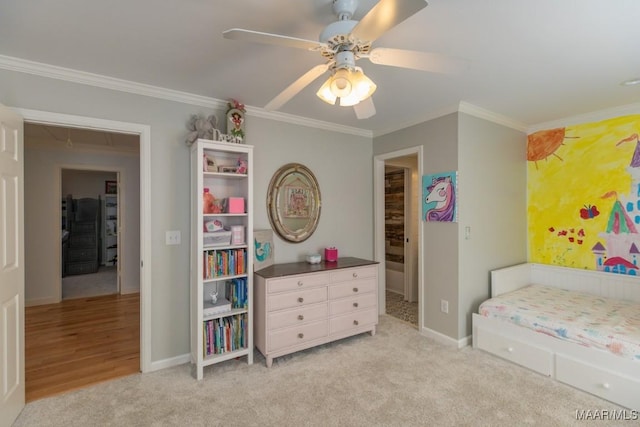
(608, 385)
(354, 273)
(347, 305)
(532, 357)
(297, 316)
(292, 283)
(296, 299)
(295, 335)
(353, 320)
(355, 287)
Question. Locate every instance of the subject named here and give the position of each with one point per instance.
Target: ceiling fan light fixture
(341, 85)
(325, 93)
(363, 86)
(350, 100)
(350, 86)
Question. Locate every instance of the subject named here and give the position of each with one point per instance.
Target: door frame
(379, 236)
(121, 232)
(408, 242)
(144, 134)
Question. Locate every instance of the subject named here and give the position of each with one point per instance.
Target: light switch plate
(172, 237)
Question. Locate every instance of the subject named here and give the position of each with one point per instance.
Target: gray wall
(42, 173)
(491, 164)
(85, 183)
(342, 164)
(440, 257)
(493, 197)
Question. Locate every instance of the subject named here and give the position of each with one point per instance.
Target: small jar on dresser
(300, 305)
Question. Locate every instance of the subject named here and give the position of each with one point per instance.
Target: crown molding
(112, 83)
(594, 116)
(481, 113)
(297, 120)
(417, 120)
(462, 107)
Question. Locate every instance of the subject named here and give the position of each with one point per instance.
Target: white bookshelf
(214, 267)
(110, 230)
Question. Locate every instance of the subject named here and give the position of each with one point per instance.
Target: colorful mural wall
(584, 196)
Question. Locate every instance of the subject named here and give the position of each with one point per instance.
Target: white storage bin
(217, 238)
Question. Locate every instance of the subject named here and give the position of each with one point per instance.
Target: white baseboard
(127, 291)
(445, 339)
(41, 301)
(168, 363)
(463, 342)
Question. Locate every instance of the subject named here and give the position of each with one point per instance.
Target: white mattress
(589, 320)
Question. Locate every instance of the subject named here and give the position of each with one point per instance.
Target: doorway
(90, 232)
(141, 158)
(400, 287)
(398, 233)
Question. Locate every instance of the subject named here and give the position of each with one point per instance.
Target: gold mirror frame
(293, 202)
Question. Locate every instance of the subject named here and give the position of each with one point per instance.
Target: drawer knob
(355, 304)
(355, 322)
(300, 317)
(355, 289)
(300, 299)
(510, 349)
(355, 275)
(606, 386)
(300, 283)
(300, 335)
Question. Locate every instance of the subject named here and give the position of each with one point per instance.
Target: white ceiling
(531, 61)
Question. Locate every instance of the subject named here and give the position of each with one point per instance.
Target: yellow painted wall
(571, 177)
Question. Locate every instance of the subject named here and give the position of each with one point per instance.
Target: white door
(11, 267)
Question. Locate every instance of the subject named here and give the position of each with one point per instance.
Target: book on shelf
(225, 335)
(220, 306)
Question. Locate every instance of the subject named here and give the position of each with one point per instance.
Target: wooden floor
(80, 342)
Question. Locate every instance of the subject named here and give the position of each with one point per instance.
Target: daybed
(553, 320)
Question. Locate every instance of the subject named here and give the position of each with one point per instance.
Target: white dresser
(300, 305)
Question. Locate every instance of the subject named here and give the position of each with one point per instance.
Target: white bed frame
(595, 371)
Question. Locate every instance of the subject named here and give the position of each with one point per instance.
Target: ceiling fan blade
(423, 61)
(365, 109)
(384, 15)
(274, 39)
(295, 87)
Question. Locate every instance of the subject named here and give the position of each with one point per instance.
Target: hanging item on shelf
(235, 120)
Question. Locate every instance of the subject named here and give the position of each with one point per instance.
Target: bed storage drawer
(532, 357)
(608, 385)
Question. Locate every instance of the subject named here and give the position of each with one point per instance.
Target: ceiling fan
(345, 41)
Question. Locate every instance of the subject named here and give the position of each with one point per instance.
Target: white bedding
(589, 320)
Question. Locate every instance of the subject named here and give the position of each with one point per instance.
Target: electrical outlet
(172, 237)
(444, 306)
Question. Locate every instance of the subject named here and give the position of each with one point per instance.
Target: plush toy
(201, 127)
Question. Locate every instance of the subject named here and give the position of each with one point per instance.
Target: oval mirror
(293, 202)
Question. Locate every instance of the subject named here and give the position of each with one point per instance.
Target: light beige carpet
(395, 378)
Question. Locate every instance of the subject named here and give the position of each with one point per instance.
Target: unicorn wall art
(439, 197)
